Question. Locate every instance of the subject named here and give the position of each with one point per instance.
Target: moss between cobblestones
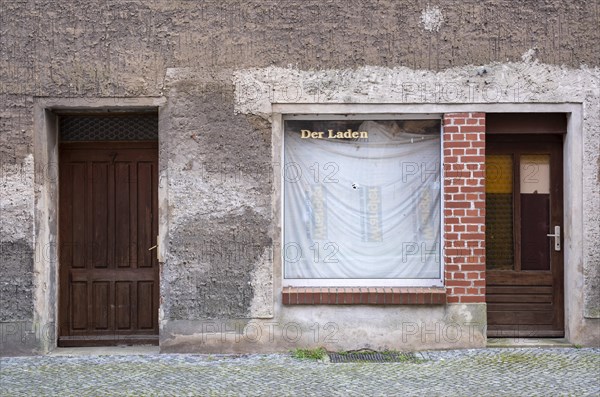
(313, 354)
(514, 358)
(359, 356)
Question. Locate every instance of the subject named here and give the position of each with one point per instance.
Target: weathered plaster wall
(16, 289)
(336, 328)
(219, 207)
(122, 48)
(480, 86)
(130, 49)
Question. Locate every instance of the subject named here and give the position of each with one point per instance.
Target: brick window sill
(363, 296)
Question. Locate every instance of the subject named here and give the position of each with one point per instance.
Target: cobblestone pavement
(485, 372)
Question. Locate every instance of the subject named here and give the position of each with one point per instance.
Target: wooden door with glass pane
(524, 256)
(108, 226)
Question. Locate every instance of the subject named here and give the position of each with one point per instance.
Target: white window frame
(342, 282)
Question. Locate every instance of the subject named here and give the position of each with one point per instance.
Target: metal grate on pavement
(372, 357)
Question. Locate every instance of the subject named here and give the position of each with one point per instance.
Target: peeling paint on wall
(432, 19)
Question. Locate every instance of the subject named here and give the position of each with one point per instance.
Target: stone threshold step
(105, 351)
(528, 342)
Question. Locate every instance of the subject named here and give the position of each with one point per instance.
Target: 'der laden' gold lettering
(331, 134)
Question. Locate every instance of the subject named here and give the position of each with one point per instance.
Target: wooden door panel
(124, 307)
(100, 213)
(146, 309)
(517, 299)
(545, 317)
(82, 275)
(509, 289)
(100, 305)
(535, 249)
(503, 307)
(499, 278)
(108, 222)
(77, 212)
(79, 293)
(145, 257)
(123, 193)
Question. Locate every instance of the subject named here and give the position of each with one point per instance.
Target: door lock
(556, 236)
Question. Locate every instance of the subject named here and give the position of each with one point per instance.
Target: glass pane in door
(499, 212)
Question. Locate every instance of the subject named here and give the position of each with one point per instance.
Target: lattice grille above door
(113, 127)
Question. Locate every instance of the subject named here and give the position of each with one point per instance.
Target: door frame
(45, 204)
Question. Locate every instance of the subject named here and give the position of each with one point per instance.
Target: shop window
(362, 203)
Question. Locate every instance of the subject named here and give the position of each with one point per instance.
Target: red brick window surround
(363, 296)
(463, 228)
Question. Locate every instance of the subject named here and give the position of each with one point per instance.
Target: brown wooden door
(524, 267)
(109, 289)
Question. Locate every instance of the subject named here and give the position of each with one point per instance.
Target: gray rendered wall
(217, 226)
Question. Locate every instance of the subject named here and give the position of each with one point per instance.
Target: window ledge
(364, 296)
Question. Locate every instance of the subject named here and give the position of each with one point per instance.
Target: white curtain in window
(362, 209)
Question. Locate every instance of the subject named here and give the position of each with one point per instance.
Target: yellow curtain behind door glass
(498, 174)
(499, 212)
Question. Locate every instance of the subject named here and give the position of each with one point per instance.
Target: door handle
(154, 247)
(556, 236)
